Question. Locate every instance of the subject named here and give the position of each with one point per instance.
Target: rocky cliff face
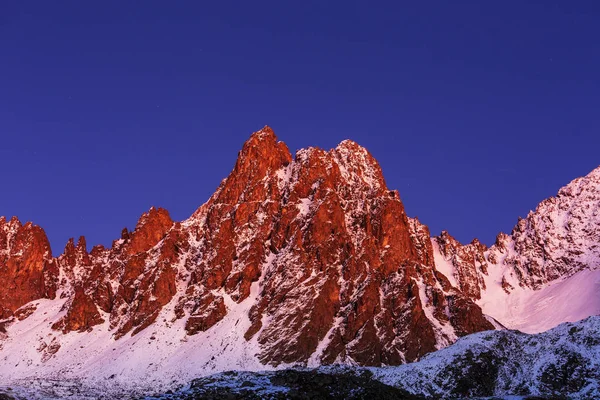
(334, 269)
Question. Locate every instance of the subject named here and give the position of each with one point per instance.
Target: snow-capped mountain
(304, 260)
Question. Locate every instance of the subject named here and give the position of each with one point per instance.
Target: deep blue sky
(476, 110)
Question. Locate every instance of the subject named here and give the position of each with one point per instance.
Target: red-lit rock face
(323, 250)
(119, 281)
(26, 269)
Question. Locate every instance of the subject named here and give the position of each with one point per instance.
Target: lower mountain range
(307, 261)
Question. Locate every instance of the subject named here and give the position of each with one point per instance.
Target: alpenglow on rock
(334, 269)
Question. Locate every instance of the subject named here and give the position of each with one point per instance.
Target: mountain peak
(264, 145)
(266, 134)
(150, 229)
(81, 243)
(358, 166)
(261, 156)
(70, 246)
(350, 145)
(15, 221)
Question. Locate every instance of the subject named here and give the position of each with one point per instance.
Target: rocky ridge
(340, 273)
(295, 260)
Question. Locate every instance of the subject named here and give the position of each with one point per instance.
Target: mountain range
(303, 260)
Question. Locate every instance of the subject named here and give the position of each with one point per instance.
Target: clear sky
(476, 110)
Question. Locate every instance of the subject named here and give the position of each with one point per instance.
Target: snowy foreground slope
(561, 363)
(532, 311)
(156, 359)
(564, 361)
